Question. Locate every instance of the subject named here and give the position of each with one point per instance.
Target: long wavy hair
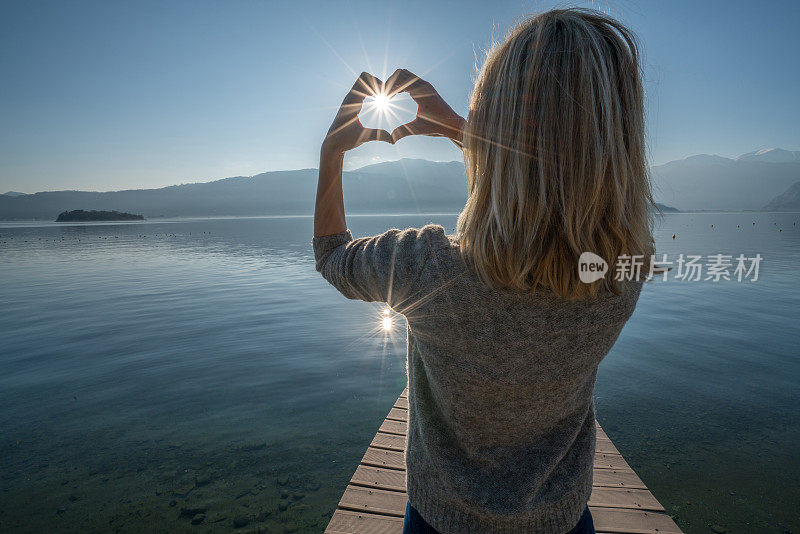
(555, 155)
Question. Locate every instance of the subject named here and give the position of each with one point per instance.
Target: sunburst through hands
(384, 112)
(386, 321)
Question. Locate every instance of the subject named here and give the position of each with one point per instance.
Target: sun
(380, 102)
(386, 322)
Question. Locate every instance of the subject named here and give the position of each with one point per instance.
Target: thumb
(404, 130)
(376, 134)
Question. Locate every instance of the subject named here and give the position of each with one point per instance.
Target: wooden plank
(620, 479)
(395, 480)
(395, 460)
(376, 501)
(348, 522)
(389, 441)
(374, 477)
(640, 499)
(394, 427)
(605, 445)
(398, 414)
(384, 458)
(607, 460)
(621, 520)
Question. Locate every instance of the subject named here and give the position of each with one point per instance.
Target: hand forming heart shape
(434, 116)
(347, 132)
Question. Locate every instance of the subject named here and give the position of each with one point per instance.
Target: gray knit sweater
(501, 433)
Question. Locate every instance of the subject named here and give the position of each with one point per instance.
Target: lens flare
(387, 323)
(380, 102)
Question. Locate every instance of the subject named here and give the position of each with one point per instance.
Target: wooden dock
(375, 500)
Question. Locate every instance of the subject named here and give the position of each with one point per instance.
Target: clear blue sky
(118, 95)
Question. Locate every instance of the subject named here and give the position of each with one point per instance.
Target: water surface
(156, 373)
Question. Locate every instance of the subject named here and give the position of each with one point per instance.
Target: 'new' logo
(591, 267)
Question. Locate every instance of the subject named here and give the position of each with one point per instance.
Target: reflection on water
(199, 375)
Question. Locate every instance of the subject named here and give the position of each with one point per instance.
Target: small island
(667, 209)
(88, 216)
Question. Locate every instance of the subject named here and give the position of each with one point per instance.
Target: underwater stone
(202, 480)
(198, 518)
(193, 511)
(263, 516)
(183, 491)
(240, 522)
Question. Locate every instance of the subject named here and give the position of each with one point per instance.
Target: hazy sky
(119, 95)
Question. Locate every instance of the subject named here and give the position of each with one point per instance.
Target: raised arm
(346, 133)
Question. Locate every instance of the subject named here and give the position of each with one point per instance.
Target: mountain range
(705, 182)
(763, 179)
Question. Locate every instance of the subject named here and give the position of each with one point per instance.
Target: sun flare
(380, 102)
(387, 323)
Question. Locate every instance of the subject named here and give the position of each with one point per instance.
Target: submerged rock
(183, 491)
(193, 511)
(240, 522)
(198, 518)
(263, 516)
(202, 480)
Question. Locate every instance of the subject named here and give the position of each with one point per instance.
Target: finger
(375, 134)
(415, 127)
(338, 126)
(403, 80)
(366, 85)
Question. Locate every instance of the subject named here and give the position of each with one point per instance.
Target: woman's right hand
(434, 116)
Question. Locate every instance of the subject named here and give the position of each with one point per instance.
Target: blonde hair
(555, 155)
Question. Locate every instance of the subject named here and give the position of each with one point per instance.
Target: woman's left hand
(347, 132)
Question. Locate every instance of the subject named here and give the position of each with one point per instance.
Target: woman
(504, 339)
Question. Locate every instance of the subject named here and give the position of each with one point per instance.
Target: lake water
(152, 371)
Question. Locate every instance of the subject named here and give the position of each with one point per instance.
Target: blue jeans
(414, 524)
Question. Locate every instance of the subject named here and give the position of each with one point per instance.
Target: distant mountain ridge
(771, 155)
(391, 187)
(701, 182)
(710, 182)
(789, 200)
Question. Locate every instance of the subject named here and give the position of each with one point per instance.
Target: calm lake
(153, 371)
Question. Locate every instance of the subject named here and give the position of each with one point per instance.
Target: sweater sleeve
(381, 268)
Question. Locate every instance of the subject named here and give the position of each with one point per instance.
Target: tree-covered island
(93, 215)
